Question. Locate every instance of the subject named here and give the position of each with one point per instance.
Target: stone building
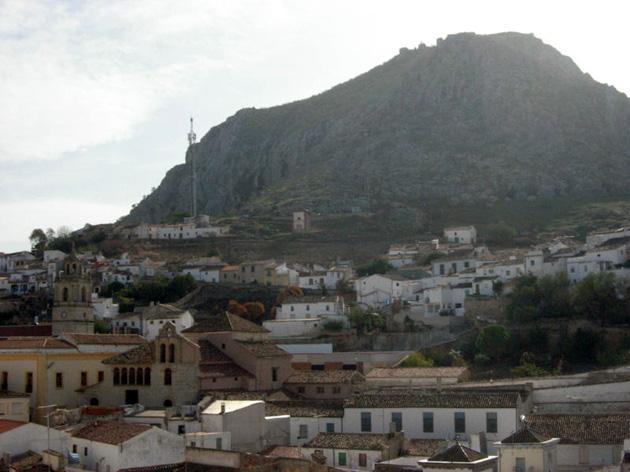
(72, 310)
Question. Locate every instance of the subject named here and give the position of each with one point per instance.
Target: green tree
(493, 341)
(417, 359)
(596, 298)
(500, 234)
(39, 240)
(377, 266)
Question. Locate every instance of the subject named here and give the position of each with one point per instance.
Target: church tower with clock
(72, 308)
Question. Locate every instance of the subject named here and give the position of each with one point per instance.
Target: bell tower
(72, 307)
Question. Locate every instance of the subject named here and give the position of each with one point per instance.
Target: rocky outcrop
(473, 119)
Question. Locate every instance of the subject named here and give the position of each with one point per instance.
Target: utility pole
(192, 139)
(47, 407)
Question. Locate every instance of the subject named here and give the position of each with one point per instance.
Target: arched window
(147, 376)
(139, 376)
(162, 353)
(116, 376)
(168, 403)
(123, 376)
(83, 294)
(168, 377)
(64, 294)
(171, 352)
(132, 376)
(94, 401)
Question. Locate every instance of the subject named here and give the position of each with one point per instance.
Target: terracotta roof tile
(264, 349)
(108, 339)
(8, 425)
(423, 447)
(225, 322)
(223, 370)
(111, 432)
(356, 441)
(434, 399)
(457, 453)
(324, 377)
(34, 342)
(289, 452)
(142, 354)
(305, 408)
(582, 429)
(525, 435)
(416, 372)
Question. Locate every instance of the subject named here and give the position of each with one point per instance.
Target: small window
(519, 464)
(85, 451)
(491, 422)
(28, 388)
(274, 374)
(330, 427)
(427, 422)
(320, 390)
(168, 377)
(366, 422)
(162, 353)
(362, 459)
(336, 390)
(303, 431)
(171, 352)
(74, 448)
(59, 380)
(301, 389)
(101, 376)
(219, 443)
(460, 422)
(83, 379)
(397, 420)
(342, 459)
(181, 429)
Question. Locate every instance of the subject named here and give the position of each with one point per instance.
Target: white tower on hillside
(192, 139)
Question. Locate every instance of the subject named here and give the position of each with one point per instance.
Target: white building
(114, 445)
(204, 273)
(461, 459)
(378, 290)
(461, 234)
(601, 237)
(416, 376)
(436, 415)
(148, 321)
(17, 437)
(104, 307)
(308, 418)
(526, 450)
(503, 270)
(354, 451)
(243, 419)
(454, 263)
(13, 405)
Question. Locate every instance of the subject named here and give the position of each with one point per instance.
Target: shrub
(417, 359)
(333, 325)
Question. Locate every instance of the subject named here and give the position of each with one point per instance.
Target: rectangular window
(219, 443)
(320, 389)
(427, 422)
(397, 420)
(460, 422)
(101, 376)
(85, 451)
(28, 388)
(519, 464)
(303, 431)
(301, 389)
(330, 427)
(491, 422)
(74, 448)
(362, 460)
(83, 379)
(342, 459)
(274, 374)
(336, 389)
(5, 381)
(181, 429)
(59, 379)
(366, 422)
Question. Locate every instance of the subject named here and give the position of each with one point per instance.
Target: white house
(104, 307)
(526, 450)
(454, 263)
(587, 440)
(461, 234)
(311, 307)
(446, 414)
(313, 280)
(148, 321)
(114, 445)
(13, 405)
(445, 299)
(308, 418)
(503, 270)
(354, 451)
(380, 289)
(204, 273)
(416, 376)
(601, 237)
(17, 437)
(243, 419)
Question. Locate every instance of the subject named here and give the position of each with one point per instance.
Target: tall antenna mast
(192, 139)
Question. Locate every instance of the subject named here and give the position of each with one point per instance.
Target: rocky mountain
(475, 118)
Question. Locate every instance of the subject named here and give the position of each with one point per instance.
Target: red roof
(111, 432)
(8, 425)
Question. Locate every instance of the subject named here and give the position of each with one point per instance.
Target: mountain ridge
(475, 118)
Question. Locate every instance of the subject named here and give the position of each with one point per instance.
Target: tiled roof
(309, 299)
(290, 452)
(210, 354)
(323, 377)
(457, 453)
(142, 354)
(161, 311)
(111, 432)
(433, 399)
(305, 408)
(423, 447)
(264, 349)
(582, 429)
(525, 435)
(225, 322)
(177, 467)
(356, 441)
(416, 372)
(108, 339)
(34, 342)
(8, 425)
(223, 370)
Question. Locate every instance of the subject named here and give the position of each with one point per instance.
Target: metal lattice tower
(192, 139)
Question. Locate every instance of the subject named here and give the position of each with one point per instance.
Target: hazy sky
(95, 96)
